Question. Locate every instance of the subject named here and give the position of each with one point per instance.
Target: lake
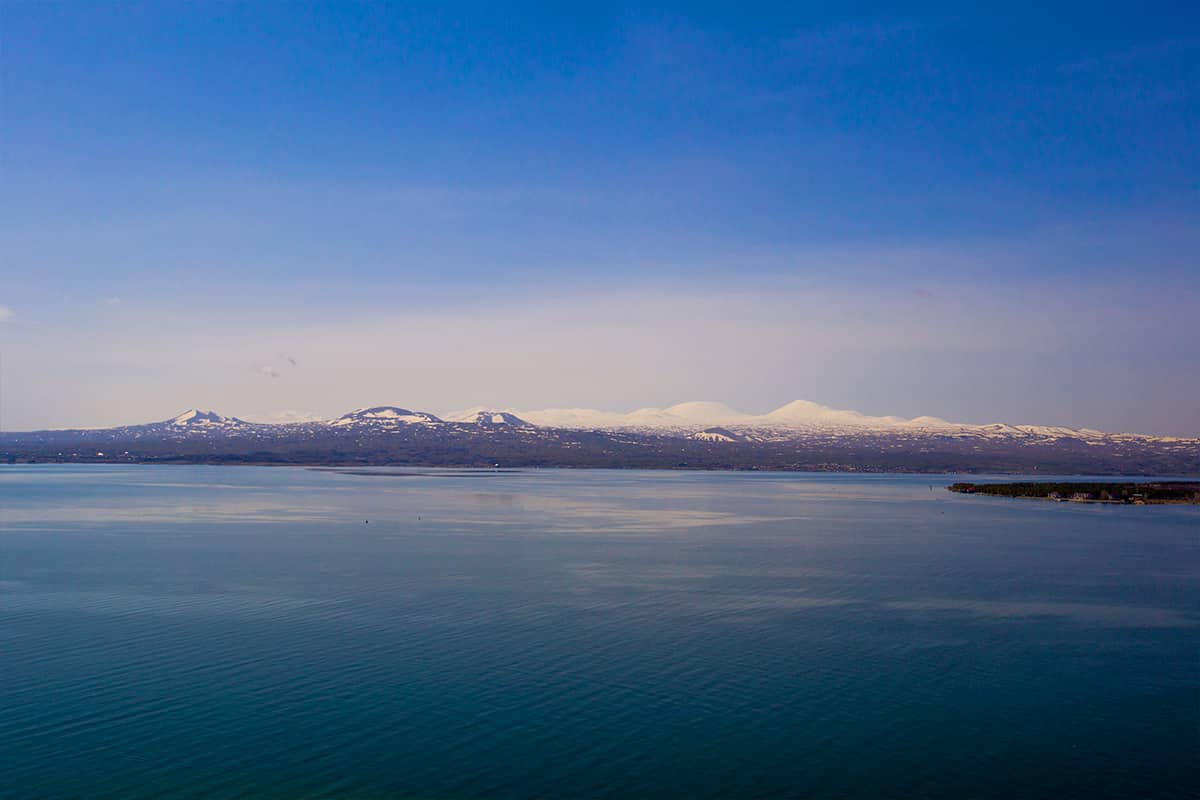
(221, 632)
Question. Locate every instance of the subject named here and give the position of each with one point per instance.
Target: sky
(285, 210)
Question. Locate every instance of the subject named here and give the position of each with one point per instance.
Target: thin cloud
(269, 371)
(6, 313)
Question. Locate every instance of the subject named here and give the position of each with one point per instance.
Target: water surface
(277, 632)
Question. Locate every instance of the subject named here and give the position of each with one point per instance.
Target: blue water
(246, 632)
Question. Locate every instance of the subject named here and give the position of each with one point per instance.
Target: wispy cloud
(6, 313)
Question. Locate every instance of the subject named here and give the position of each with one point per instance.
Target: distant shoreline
(1110, 493)
(1110, 479)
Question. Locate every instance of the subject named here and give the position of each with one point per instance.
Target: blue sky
(984, 213)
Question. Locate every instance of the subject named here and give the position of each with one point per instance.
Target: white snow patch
(481, 415)
(385, 415)
(195, 416)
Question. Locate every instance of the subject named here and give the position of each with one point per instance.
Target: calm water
(241, 632)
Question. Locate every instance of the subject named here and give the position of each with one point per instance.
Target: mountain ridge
(701, 434)
(692, 416)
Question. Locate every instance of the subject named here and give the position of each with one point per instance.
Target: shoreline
(1137, 493)
(1098, 477)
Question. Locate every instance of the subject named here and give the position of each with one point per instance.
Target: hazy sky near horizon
(272, 209)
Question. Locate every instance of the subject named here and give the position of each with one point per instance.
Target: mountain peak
(717, 434)
(488, 417)
(706, 410)
(806, 412)
(385, 415)
(196, 416)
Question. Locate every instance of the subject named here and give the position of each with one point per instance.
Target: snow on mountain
(699, 412)
(709, 414)
(807, 413)
(931, 422)
(717, 435)
(195, 417)
(701, 434)
(695, 414)
(384, 416)
(486, 417)
(796, 416)
(704, 420)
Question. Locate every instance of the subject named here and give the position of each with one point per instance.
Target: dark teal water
(241, 632)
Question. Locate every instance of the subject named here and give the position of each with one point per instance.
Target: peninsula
(1156, 493)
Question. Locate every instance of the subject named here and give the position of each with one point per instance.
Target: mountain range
(701, 434)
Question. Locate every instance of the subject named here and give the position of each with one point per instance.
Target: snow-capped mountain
(196, 418)
(805, 413)
(697, 415)
(486, 417)
(796, 416)
(798, 435)
(717, 435)
(385, 416)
